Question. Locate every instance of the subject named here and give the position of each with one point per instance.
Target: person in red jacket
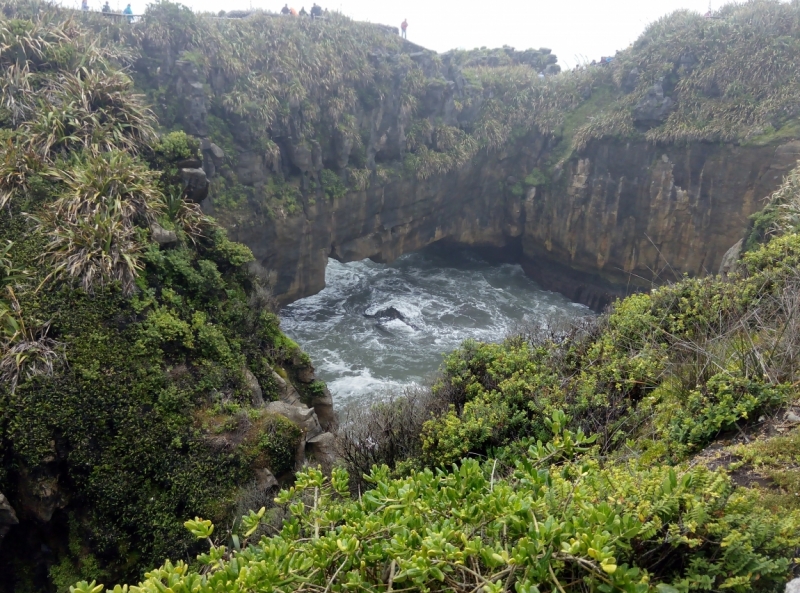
(403, 27)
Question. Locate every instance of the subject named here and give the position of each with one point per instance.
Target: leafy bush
(332, 185)
(550, 522)
(719, 405)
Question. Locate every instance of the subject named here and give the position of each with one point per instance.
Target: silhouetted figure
(106, 7)
(129, 11)
(285, 9)
(303, 11)
(316, 11)
(403, 27)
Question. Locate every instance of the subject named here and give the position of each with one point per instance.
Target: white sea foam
(444, 297)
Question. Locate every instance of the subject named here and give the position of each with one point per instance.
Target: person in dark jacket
(316, 11)
(106, 7)
(303, 11)
(285, 9)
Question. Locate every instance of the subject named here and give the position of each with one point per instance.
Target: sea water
(376, 329)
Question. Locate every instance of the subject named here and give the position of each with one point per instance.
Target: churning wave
(376, 329)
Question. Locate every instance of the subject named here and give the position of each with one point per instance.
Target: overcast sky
(576, 30)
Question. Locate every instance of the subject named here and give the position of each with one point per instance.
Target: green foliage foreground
(559, 520)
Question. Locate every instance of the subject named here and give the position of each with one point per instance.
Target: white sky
(576, 30)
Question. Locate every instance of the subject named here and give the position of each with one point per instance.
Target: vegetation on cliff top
(124, 404)
(309, 92)
(288, 99)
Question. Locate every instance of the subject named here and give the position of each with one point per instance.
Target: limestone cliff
(616, 218)
(598, 182)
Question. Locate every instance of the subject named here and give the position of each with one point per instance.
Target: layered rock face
(469, 207)
(625, 216)
(615, 219)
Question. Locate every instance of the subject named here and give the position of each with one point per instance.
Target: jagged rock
(305, 374)
(265, 479)
(731, 259)
(387, 313)
(213, 157)
(7, 516)
(791, 417)
(653, 108)
(161, 235)
(323, 449)
(323, 406)
(256, 394)
(631, 80)
(302, 416)
(286, 391)
(300, 155)
(251, 168)
(39, 492)
(195, 184)
(192, 96)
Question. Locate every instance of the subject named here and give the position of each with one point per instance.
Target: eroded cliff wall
(616, 218)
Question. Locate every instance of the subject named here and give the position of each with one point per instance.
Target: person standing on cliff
(128, 11)
(403, 27)
(285, 9)
(85, 5)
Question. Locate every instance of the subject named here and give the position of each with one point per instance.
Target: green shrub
(567, 526)
(332, 185)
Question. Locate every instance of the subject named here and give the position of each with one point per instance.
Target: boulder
(731, 259)
(195, 184)
(631, 81)
(793, 586)
(161, 235)
(256, 393)
(7, 516)
(654, 108)
(40, 493)
(323, 406)
(191, 94)
(388, 313)
(286, 391)
(322, 448)
(213, 157)
(300, 154)
(265, 479)
(302, 416)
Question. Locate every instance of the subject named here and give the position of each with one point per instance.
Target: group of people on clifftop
(316, 11)
(106, 9)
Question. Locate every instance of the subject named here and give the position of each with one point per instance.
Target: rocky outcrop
(614, 219)
(8, 517)
(622, 217)
(653, 108)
